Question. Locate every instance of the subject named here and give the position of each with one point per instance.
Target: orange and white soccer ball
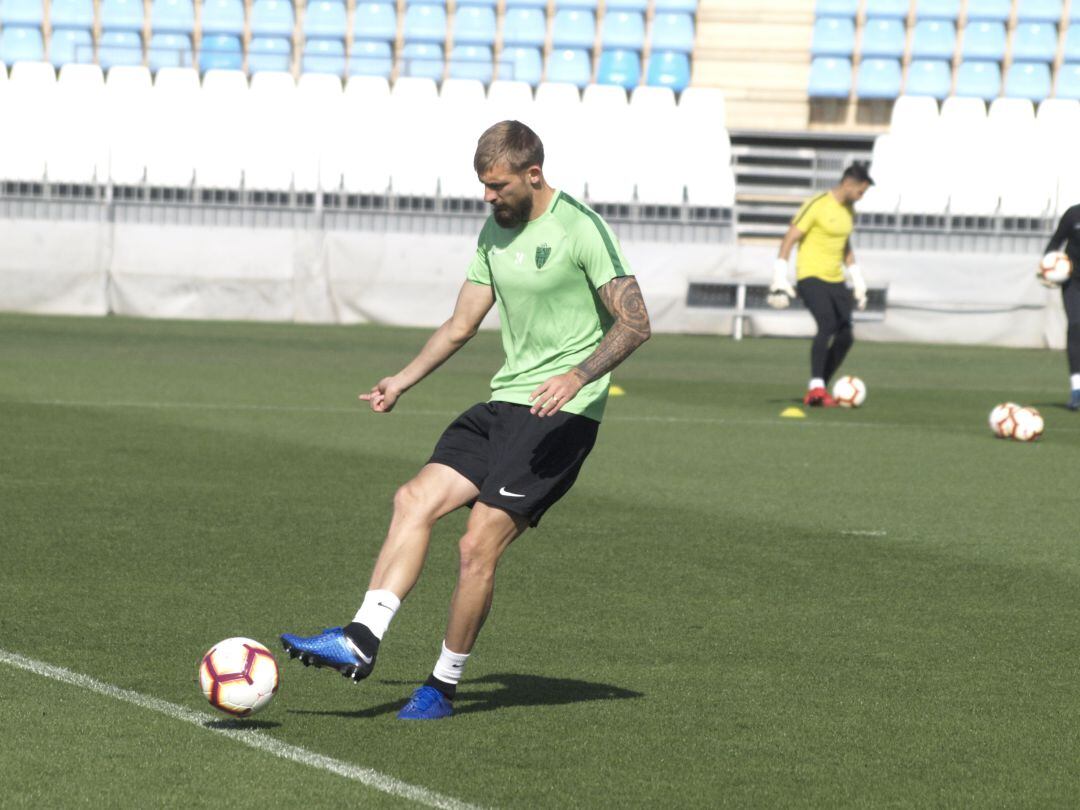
(1029, 425)
(239, 676)
(1003, 419)
(849, 392)
(1055, 268)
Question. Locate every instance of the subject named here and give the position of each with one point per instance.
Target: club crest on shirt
(543, 251)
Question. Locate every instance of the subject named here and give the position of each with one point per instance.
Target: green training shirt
(545, 275)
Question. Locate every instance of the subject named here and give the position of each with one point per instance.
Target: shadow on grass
(1057, 406)
(504, 691)
(240, 724)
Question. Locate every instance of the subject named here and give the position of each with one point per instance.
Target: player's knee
(478, 555)
(412, 501)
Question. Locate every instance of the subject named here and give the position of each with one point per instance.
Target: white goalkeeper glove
(858, 285)
(780, 290)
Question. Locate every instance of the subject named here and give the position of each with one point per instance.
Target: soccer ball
(238, 676)
(1003, 419)
(849, 392)
(1029, 425)
(1055, 268)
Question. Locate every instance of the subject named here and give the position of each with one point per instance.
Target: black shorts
(520, 463)
(830, 302)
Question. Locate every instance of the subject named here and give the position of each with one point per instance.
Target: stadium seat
(272, 18)
(325, 19)
(897, 9)
(509, 100)
(269, 54)
(220, 52)
(524, 27)
(172, 128)
(938, 10)
(1071, 52)
(79, 97)
(414, 165)
(169, 50)
(371, 59)
(21, 43)
(471, 62)
(1034, 42)
(878, 79)
(929, 77)
(672, 32)
(422, 60)
(367, 98)
(979, 80)
(27, 98)
(1044, 11)
(984, 40)
(654, 119)
(267, 161)
(317, 163)
(1028, 80)
(518, 64)
(623, 30)
(913, 115)
(128, 91)
(474, 25)
(570, 66)
(1074, 12)
(116, 48)
(675, 6)
(223, 17)
(573, 28)
(71, 14)
(836, 8)
(22, 12)
(619, 67)
(1056, 124)
(425, 24)
(324, 56)
(542, 4)
(172, 17)
(558, 106)
(605, 110)
(833, 36)
(640, 6)
(882, 37)
(375, 22)
(219, 150)
(830, 77)
(988, 10)
(933, 39)
(485, 3)
(668, 69)
(1068, 81)
(701, 116)
(581, 5)
(121, 15)
(464, 113)
(71, 46)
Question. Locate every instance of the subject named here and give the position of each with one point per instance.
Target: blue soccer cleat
(329, 649)
(1074, 400)
(426, 703)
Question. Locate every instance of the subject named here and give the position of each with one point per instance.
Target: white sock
(1074, 381)
(449, 666)
(817, 382)
(378, 609)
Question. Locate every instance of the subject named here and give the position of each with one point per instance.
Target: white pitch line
(252, 738)
(865, 532)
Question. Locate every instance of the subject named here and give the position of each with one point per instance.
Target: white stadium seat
(604, 135)
(268, 160)
(366, 102)
(886, 161)
(415, 113)
(171, 130)
(557, 120)
(224, 132)
(318, 158)
(23, 148)
(510, 101)
(77, 153)
(465, 117)
(913, 115)
(127, 97)
(710, 180)
(654, 120)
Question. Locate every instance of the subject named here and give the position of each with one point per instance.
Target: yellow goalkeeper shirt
(827, 225)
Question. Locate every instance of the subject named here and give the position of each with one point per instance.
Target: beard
(510, 215)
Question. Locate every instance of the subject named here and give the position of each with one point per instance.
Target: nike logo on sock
(385, 606)
(508, 494)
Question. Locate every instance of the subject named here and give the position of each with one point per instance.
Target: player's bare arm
(791, 238)
(473, 303)
(623, 300)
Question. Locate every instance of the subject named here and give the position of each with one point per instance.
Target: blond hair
(509, 142)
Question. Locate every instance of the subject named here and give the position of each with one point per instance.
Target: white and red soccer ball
(849, 392)
(1003, 419)
(1055, 268)
(238, 676)
(1011, 421)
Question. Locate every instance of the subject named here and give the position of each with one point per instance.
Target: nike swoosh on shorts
(507, 494)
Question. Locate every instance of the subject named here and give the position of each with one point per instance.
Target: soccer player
(1068, 234)
(570, 312)
(822, 229)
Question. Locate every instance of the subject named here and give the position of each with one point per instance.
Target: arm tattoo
(622, 298)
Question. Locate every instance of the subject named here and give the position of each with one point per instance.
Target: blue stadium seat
(624, 30)
(933, 39)
(526, 4)
(71, 46)
(619, 67)
(830, 77)
(1074, 13)
(524, 27)
(929, 77)
(988, 10)
(324, 56)
(1068, 81)
(220, 52)
(676, 6)
(326, 19)
(1030, 80)
(883, 37)
(1034, 42)
(573, 28)
(21, 43)
(668, 69)
(471, 62)
(375, 22)
(370, 58)
(172, 17)
(627, 5)
(22, 12)
(425, 24)
(426, 3)
(521, 64)
(897, 9)
(272, 18)
(938, 10)
(1072, 43)
(878, 78)
(979, 79)
(474, 25)
(584, 5)
(1046, 11)
(833, 36)
(119, 48)
(836, 8)
(423, 59)
(673, 32)
(570, 65)
(485, 3)
(169, 50)
(71, 13)
(121, 15)
(223, 17)
(984, 41)
(269, 53)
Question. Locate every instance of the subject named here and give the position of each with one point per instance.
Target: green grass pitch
(863, 608)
